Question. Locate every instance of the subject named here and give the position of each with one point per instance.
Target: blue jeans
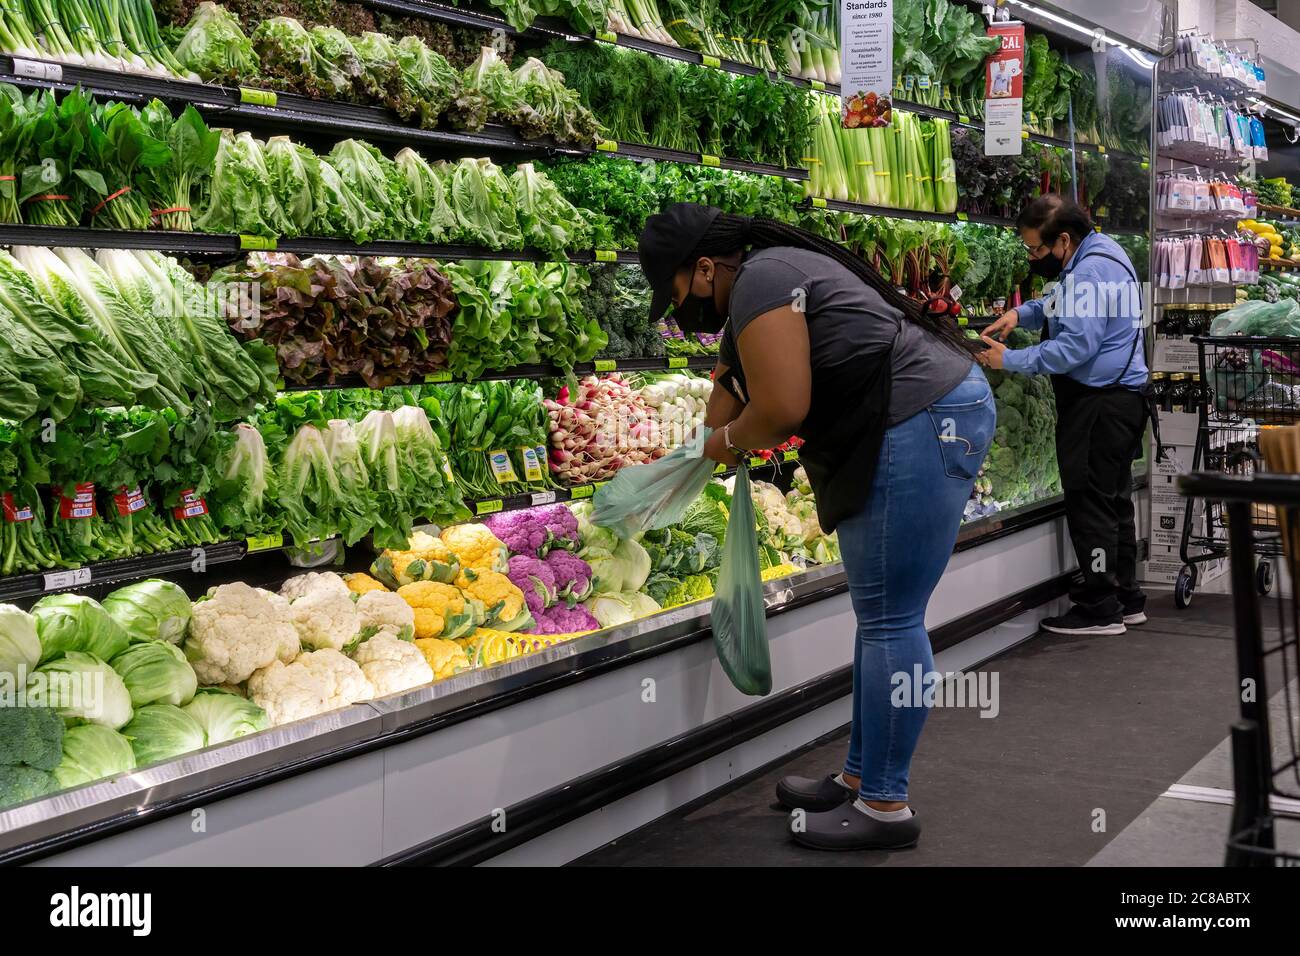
(895, 550)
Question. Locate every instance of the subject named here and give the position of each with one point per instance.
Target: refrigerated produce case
(474, 765)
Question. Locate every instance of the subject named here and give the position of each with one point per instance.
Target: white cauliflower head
(325, 619)
(281, 603)
(386, 609)
(235, 632)
(313, 581)
(392, 665)
(315, 683)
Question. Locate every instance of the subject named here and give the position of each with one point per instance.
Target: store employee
(1092, 347)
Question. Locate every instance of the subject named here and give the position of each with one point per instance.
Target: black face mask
(1048, 267)
(698, 314)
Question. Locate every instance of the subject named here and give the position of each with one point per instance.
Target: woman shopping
(1092, 348)
(896, 420)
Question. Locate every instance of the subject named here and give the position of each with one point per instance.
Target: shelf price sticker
(257, 243)
(721, 469)
(605, 365)
(818, 202)
(607, 146)
(503, 469)
(77, 577)
(578, 492)
(532, 467)
(677, 361)
(489, 506)
(543, 498)
(1145, 165)
(711, 61)
(1101, 149)
(963, 119)
(434, 378)
(265, 542)
(962, 217)
(606, 255)
(257, 97)
(38, 70)
(605, 36)
(790, 454)
(817, 84)
(708, 160)
(756, 462)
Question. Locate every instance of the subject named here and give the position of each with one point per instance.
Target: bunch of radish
(599, 428)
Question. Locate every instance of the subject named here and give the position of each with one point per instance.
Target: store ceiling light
(1138, 57)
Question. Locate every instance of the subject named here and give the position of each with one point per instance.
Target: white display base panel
(367, 808)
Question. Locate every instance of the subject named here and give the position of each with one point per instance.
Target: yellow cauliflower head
(476, 547)
(440, 609)
(446, 658)
(363, 583)
(502, 602)
(426, 559)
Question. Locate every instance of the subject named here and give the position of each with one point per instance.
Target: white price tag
(543, 498)
(38, 70)
(77, 577)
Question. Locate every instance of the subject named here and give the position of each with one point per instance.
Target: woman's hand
(715, 448)
(1003, 326)
(992, 356)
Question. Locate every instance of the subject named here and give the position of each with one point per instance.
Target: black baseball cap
(667, 243)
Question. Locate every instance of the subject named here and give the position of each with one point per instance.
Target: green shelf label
(265, 542)
(677, 361)
(605, 365)
(1145, 165)
(963, 217)
(817, 84)
(434, 378)
(607, 37)
(491, 506)
(257, 243)
(1102, 150)
(581, 491)
(257, 97)
(607, 146)
(790, 455)
(818, 202)
(962, 320)
(707, 160)
(721, 469)
(606, 255)
(756, 462)
(712, 61)
(963, 118)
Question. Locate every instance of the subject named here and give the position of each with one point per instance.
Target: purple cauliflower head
(561, 527)
(520, 531)
(572, 575)
(536, 579)
(562, 619)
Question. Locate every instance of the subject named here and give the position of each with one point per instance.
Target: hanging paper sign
(866, 62)
(1003, 92)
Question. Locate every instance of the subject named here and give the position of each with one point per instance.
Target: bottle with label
(1159, 385)
(1199, 396)
(1178, 392)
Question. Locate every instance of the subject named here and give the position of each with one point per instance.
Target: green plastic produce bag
(739, 620)
(647, 497)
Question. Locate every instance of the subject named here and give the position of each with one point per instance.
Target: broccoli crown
(18, 784)
(31, 736)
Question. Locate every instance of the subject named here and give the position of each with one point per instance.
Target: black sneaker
(1078, 621)
(848, 828)
(1135, 609)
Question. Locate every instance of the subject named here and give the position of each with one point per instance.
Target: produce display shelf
(1285, 212)
(660, 363)
(1279, 264)
(120, 570)
(890, 212)
(223, 244)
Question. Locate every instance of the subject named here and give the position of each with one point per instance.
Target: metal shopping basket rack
(1248, 384)
(1265, 748)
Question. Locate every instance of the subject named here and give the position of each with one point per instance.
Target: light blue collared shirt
(1093, 312)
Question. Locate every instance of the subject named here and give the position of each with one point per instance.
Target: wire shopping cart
(1247, 384)
(1265, 744)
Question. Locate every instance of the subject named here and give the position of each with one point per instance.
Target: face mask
(1048, 267)
(698, 314)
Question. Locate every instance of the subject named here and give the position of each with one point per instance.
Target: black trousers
(1098, 435)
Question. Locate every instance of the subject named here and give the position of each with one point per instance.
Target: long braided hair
(729, 234)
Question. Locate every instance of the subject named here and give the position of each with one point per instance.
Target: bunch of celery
(907, 165)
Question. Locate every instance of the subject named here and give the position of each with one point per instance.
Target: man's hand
(715, 447)
(992, 356)
(1003, 326)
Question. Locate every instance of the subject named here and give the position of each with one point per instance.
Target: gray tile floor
(1091, 733)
